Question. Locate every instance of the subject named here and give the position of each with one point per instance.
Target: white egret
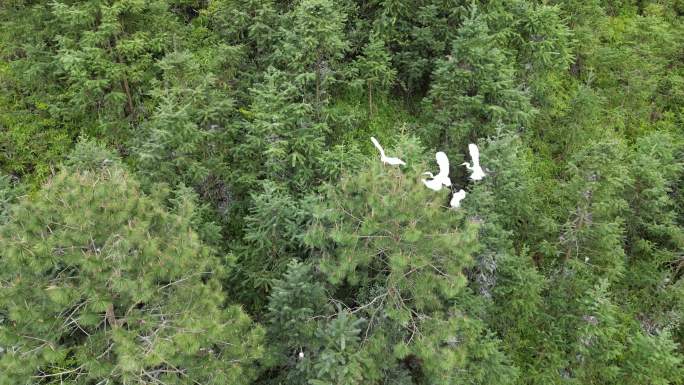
(457, 198)
(385, 159)
(476, 172)
(442, 178)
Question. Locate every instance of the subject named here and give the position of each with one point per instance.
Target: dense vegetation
(188, 193)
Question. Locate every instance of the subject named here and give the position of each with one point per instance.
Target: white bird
(385, 159)
(433, 184)
(442, 178)
(476, 172)
(457, 198)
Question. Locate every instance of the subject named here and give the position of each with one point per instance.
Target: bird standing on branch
(385, 159)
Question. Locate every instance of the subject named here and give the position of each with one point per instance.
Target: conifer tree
(542, 43)
(251, 23)
(419, 34)
(310, 343)
(103, 283)
(313, 44)
(105, 53)
(653, 236)
(593, 233)
(396, 254)
(473, 89)
(374, 69)
(281, 140)
(184, 139)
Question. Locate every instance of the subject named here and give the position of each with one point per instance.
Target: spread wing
(474, 153)
(443, 163)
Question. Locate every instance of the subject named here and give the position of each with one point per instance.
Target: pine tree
(103, 283)
(396, 255)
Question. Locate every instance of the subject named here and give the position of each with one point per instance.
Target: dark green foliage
(8, 194)
(373, 71)
(313, 44)
(473, 91)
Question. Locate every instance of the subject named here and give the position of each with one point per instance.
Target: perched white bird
(385, 159)
(457, 198)
(442, 178)
(476, 172)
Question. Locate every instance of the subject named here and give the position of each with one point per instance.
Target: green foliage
(313, 44)
(102, 283)
(373, 70)
(391, 247)
(233, 165)
(474, 90)
(181, 142)
(8, 194)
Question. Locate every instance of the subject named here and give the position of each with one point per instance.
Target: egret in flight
(457, 198)
(385, 159)
(442, 178)
(476, 172)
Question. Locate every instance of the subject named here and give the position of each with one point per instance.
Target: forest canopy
(189, 193)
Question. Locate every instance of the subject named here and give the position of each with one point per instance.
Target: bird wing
(433, 184)
(474, 154)
(443, 163)
(378, 146)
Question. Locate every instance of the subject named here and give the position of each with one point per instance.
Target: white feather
(442, 178)
(457, 198)
(433, 184)
(476, 172)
